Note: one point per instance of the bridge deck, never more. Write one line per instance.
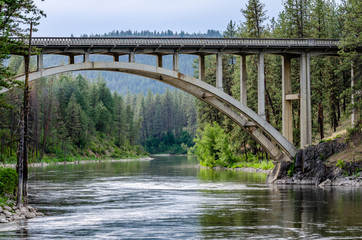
(199, 46)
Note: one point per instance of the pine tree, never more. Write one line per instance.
(255, 16)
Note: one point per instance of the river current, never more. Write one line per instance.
(169, 198)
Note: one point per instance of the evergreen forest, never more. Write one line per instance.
(96, 115)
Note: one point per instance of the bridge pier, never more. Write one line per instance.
(131, 57)
(202, 68)
(287, 111)
(86, 57)
(116, 57)
(261, 86)
(176, 63)
(243, 88)
(354, 115)
(219, 71)
(159, 61)
(305, 102)
(71, 59)
(40, 62)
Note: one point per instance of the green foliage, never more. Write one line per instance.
(353, 131)
(340, 164)
(264, 165)
(8, 181)
(15, 17)
(212, 147)
(291, 169)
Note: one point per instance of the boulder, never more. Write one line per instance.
(8, 208)
(7, 213)
(3, 220)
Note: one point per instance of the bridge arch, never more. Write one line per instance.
(277, 146)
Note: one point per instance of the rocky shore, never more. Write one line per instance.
(9, 214)
(312, 168)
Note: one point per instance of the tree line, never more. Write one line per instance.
(330, 76)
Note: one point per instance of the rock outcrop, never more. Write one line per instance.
(9, 214)
(309, 168)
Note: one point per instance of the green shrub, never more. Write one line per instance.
(291, 169)
(353, 131)
(340, 164)
(8, 181)
(213, 148)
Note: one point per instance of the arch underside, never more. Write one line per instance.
(278, 147)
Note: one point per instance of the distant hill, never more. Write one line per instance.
(124, 83)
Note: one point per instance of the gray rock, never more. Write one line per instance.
(8, 208)
(327, 182)
(23, 209)
(299, 160)
(31, 209)
(7, 213)
(3, 220)
(39, 214)
(17, 217)
(30, 215)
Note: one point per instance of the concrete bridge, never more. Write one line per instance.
(278, 145)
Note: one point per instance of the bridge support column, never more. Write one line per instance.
(159, 61)
(71, 59)
(354, 115)
(176, 64)
(116, 57)
(219, 71)
(131, 57)
(243, 89)
(287, 104)
(305, 102)
(40, 62)
(86, 57)
(261, 86)
(202, 67)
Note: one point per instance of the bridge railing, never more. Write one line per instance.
(69, 41)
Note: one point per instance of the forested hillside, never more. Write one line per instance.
(124, 83)
(330, 76)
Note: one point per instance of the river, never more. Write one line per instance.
(168, 198)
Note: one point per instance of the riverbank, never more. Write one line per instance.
(243, 169)
(44, 164)
(10, 213)
(330, 163)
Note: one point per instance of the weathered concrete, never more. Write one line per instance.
(202, 68)
(159, 61)
(305, 102)
(116, 57)
(287, 110)
(40, 62)
(215, 97)
(219, 71)
(131, 57)
(176, 62)
(71, 59)
(243, 84)
(86, 57)
(261, 86)
(355, 114)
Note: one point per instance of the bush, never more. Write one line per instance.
(8, 181)
(213, 147)
(340, 164)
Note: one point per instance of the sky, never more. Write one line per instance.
(66, 17)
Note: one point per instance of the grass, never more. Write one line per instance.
(264, 165)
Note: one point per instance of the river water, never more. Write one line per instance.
(168, 198)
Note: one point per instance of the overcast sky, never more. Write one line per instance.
(66, 17)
